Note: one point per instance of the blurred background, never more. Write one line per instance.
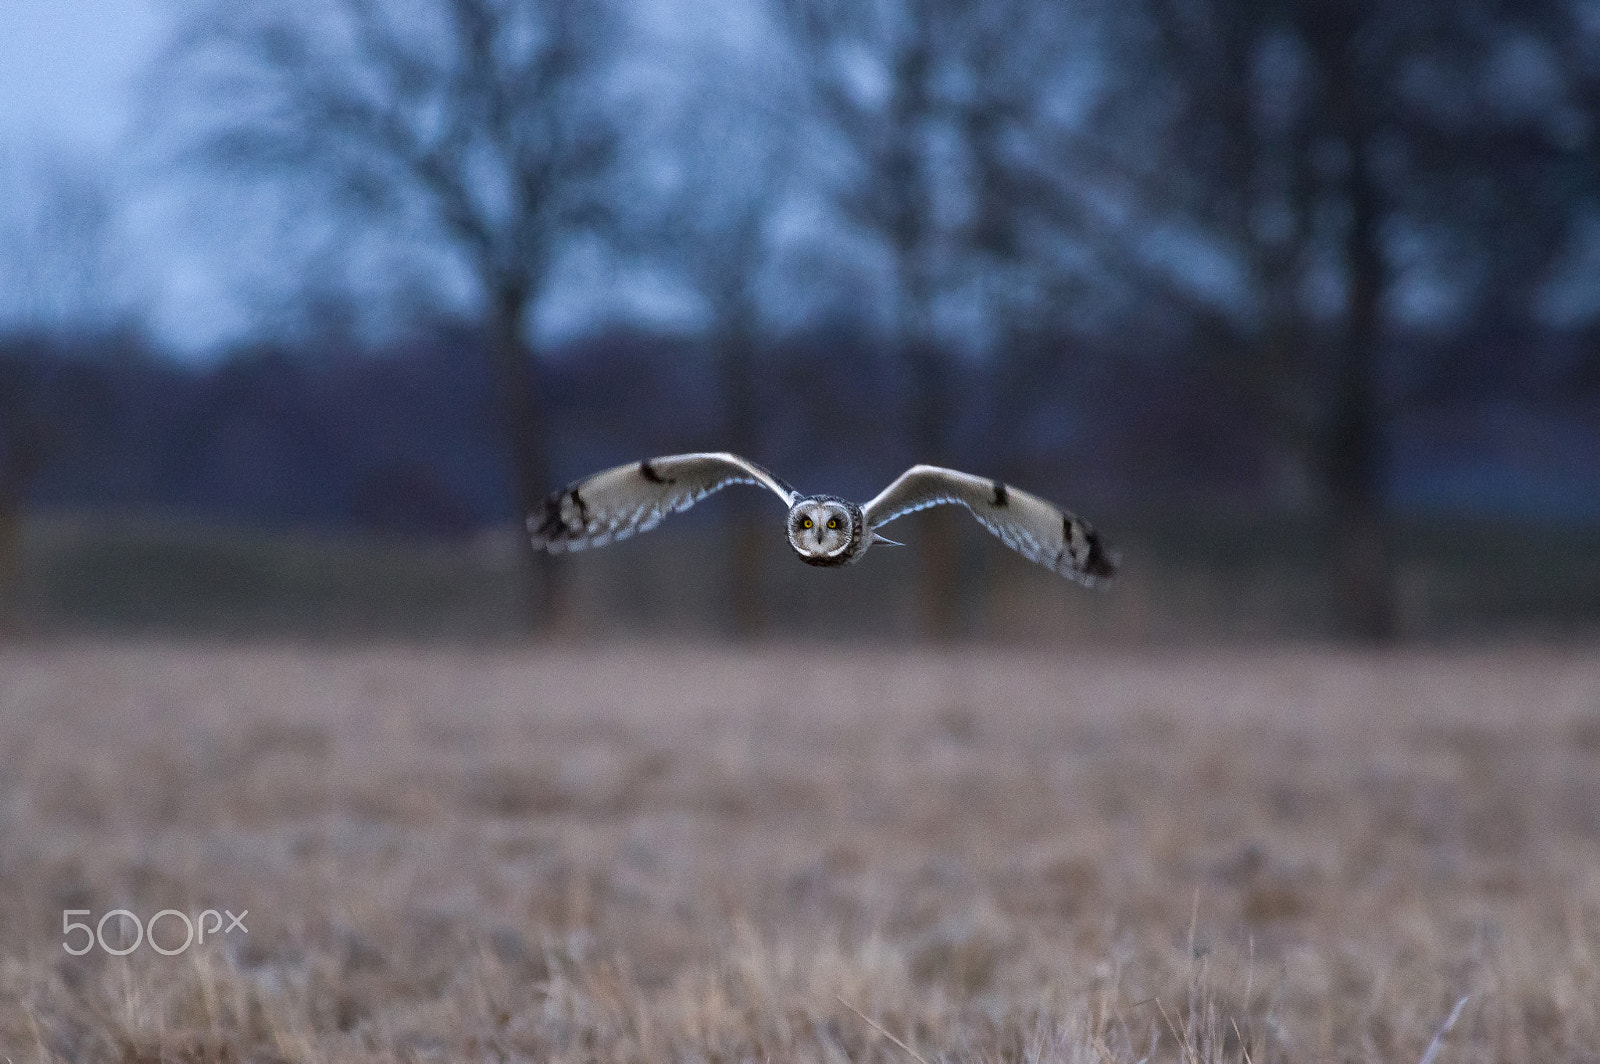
(302, 304)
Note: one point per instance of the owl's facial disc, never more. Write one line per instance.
(819, 529)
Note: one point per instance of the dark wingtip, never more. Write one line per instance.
(1100, 562)
(545, 525)
(1093, 562)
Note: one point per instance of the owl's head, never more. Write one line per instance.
(823, 529)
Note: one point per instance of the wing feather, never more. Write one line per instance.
(1035, 529)
(616, 503)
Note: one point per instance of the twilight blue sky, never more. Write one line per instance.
(67, 69)
(70, 72)
(70, 77)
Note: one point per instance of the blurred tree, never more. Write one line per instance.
(23, 435)
(475, 126)
(55, 406)
(59, 286)
(733, 156)
(907, 90)
(1025, 66)
(1555, 65)
(1256, 167)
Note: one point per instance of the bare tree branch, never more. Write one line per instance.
(474, 122)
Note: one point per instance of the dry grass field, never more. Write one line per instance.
(634, 854)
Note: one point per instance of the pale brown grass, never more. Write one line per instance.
(629, 854)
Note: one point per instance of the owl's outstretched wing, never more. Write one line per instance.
(1026, 523)
(635, 497)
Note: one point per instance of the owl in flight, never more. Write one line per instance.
(823, 529)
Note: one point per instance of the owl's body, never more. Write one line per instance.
(823, 530)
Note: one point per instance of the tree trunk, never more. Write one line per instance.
(910, 232)
(10, 560)
(939, 539)
(20, 458)
(522, 423)
(1354, 470)
(736, 367)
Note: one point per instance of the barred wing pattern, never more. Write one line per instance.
(1027, 524)
(631, 498)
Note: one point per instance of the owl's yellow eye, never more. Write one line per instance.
(833, 522)
(805, 522)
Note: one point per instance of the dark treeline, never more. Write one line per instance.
(1327, 258)
(396, 441)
